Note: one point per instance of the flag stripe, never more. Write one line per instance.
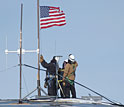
(51, 16)
(56, 14)
(43, 27)
(52, 22)
(53, 12)
(53, 8)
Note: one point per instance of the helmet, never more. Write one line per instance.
(71, 57)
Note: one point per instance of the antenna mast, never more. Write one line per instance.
(23, 51)
(20, 100)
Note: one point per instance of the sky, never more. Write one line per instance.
(94, 34)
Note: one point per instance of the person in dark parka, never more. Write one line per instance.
(50, 81)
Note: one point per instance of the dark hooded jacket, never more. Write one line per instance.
(51, 67)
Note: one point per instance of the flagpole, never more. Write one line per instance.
(38, 76)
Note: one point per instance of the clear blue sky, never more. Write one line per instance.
(94, 33)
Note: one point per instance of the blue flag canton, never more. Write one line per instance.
(44, 11)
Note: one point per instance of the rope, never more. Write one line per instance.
(61, 88)
(9, 68)
(112, 102)
(32, 67)
(25, 84)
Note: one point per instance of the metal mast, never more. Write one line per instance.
(23, 51)
(20, 100)
(38, 76)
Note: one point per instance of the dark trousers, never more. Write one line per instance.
(67, 88)
(73, 91)
(52, 91)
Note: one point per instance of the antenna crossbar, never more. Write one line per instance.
(23, 51)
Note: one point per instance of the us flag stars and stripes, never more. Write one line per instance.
(51, 16)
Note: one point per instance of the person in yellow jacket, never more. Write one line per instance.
(69, 77)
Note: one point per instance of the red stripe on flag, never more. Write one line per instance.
(52, 25)
(52, 19)
(52, 22)
(53, 8)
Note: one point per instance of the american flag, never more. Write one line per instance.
(51, 16)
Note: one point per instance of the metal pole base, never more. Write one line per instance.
(39, 89)
(38, 84)
(20, 101)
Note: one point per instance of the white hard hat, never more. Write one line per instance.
(71, 58)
